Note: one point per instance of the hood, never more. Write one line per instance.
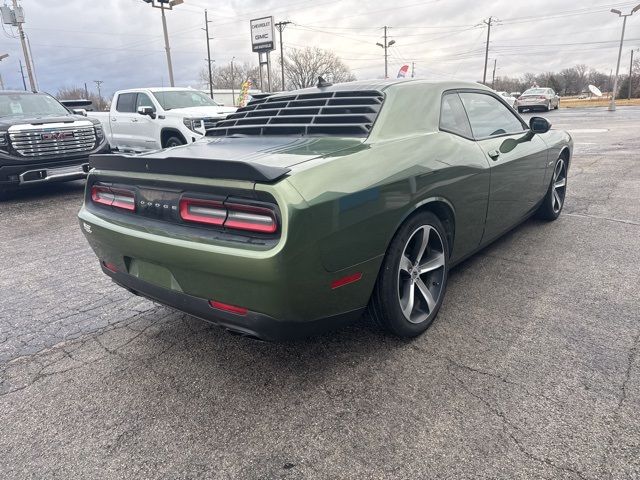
(201, 112)
(10, 120)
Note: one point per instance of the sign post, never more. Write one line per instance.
(262, 42)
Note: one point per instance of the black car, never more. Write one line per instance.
(43, 141)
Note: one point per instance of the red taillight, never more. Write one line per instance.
(230, 215)
(114, 197)
(202, 211)
(228, 308)
(252, 218)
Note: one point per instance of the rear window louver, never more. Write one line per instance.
(343, 113)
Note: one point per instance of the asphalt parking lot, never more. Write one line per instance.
(530, 371)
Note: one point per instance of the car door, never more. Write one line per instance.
(518, 160)
(121, 119)
(147, 130)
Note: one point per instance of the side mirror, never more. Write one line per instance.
(539, 125)
(80, 111)
(146, 111)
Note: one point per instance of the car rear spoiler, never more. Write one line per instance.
(191, 167)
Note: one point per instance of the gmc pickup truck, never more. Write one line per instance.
(43, 141)
(154, 118)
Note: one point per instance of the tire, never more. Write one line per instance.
(547, 107)
(557, 105)
(400, 284)
(173, 141)
(553, 201)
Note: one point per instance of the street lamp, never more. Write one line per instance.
(385, 46)
(161, 5)
(612, 105)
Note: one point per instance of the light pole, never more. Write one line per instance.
(631, 74)
(280, 26)
(612, 105)
(386, 46)
(161, 5)
(206, 30)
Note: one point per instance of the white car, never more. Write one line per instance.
(153, 118)
(510, 99)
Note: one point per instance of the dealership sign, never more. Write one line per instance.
(262, 34)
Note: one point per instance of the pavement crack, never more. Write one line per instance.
(507, 426)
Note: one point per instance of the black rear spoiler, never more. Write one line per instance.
(190, 167)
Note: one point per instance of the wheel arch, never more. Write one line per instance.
(441, 208)
(565, 153)
(169, 132)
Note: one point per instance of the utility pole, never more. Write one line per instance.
(206, 29)
(233, 80)
(280, 26)
(631, 74)
(24, 83)
(98, 83)
(17, 21)
(86, 91)
(413, 68)
(33, 64)
(161, 5)
(493, 78)
(488, 23)
(612, 105)
(386, 46)
(2, 57)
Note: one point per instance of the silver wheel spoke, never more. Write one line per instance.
(433, 263)
(426, 231)
(405, 264)
(556, 200)
(560, 183)
(426, 294)
(406, 303)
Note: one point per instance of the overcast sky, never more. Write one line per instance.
(121, 42)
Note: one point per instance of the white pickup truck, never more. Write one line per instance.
(146, 119)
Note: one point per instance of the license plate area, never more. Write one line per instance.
(152, 273)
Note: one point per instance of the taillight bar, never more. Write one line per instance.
(114, 197)
(229, 215)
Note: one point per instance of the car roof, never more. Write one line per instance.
(14, 92)
(157, 89)
(381, 85)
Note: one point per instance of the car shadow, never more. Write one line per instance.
(43, 191)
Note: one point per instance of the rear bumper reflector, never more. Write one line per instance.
(341, 282)
(228, 308)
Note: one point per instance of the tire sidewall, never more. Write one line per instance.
(388, 281)
(173, 142)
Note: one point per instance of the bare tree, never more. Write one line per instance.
(225, 78)
(303, 66)
(77, 93)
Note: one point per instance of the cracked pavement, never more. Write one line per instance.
(532, 369)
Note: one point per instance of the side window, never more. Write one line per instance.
(453, 118)
(488, 116)
(144, 101)
(126, 103)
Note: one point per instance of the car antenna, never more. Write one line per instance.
(323, 83)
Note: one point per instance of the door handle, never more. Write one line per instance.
(134, 119)
(494, 154)
(114, 119)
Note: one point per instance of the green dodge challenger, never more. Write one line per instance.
(305, 208)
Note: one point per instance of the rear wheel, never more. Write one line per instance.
(547, 107)
(554, 199)
(413, 278)
(173, 142)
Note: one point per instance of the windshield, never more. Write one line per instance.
(536, 91)
(183, 99)
(29, 105)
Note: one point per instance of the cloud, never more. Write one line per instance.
(121, 41)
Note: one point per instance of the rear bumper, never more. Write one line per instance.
(252, 324)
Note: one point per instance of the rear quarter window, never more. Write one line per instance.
(126, 103)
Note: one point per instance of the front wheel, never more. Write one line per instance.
(413, 277)
(173, 142)
(554, 199)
